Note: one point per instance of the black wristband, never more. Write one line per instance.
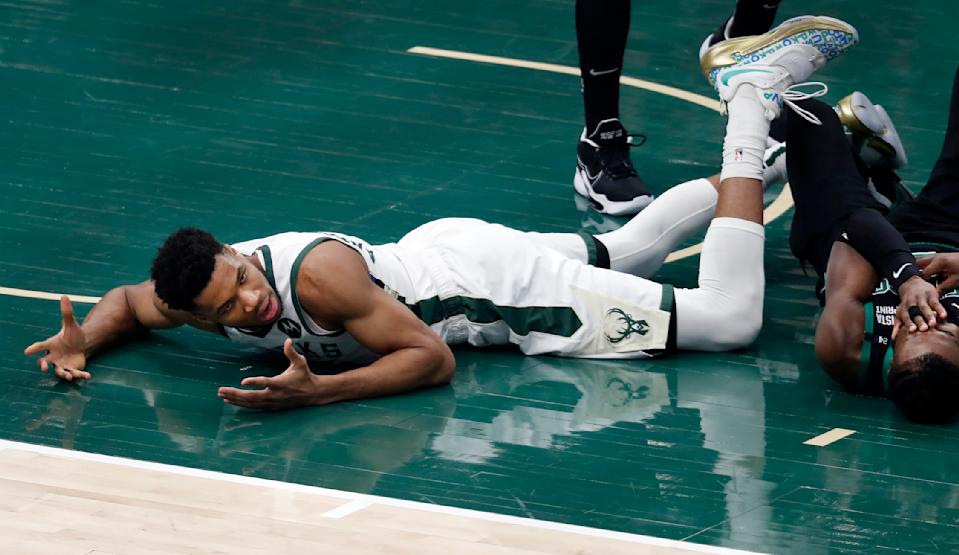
(881, 245)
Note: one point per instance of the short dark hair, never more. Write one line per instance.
(183, 266)
(925, 388)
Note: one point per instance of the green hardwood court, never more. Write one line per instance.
(125, 119)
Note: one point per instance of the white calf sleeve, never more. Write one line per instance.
(641, 246)
(725, 311)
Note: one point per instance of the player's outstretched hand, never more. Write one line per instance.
(65, 351)
(295, 387)
(917, 292)
(943, 265)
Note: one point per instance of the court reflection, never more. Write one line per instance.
(151, 416)
(553, 398)
(678, 449)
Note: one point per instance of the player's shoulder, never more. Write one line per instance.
(277, 240)
(331, 269)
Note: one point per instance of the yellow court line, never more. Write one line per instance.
(681, 94)
(831, 436)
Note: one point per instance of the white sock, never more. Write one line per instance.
(641, 246)
(746, 133)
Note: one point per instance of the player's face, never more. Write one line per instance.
(942, 340)
(238, 295)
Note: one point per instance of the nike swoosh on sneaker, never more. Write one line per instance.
(735, 72)
(595, 73)
(897, 273)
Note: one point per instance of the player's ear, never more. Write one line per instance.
(202, 319)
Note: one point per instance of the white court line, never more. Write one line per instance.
(831, 436)
(371, 499)
(347, 509)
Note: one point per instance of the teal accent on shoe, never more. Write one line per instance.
(735, 72)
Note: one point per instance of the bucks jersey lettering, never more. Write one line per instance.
(281, 256)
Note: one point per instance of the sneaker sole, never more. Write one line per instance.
(601, 202)
(830, 36)
(849, 110)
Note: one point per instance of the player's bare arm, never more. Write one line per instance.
(850, 281)
(123, 312)
(336, 291)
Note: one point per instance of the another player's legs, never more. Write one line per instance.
(604, 172)
(827, 183)
(945, 174)
(935, 207)
(731, 278)
(643, 244)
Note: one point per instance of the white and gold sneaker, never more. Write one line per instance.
(829, 36)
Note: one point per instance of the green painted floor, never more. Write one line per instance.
(124, 119)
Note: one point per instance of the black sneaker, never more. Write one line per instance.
(604, 173)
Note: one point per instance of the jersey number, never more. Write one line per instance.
(329, 350)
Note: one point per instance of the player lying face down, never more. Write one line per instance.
(389, 311)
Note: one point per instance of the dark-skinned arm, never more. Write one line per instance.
(335, 289)
(850, 281)
(885, 249)
(123, 313)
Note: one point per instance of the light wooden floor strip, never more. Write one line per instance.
(831, 436)
(60, 501)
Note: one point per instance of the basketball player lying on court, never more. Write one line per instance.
(390, 310)
(854, 217)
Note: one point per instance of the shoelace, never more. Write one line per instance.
(619, 166)
(794, 94)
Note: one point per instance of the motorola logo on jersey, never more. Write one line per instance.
(290, 328)
(623, 325)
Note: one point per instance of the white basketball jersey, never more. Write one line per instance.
(281, 256)
(477, 283)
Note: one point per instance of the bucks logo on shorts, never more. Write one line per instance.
(620, 325)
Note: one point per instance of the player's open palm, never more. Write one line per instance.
(65, 351)
(943, 265)
(295, 387)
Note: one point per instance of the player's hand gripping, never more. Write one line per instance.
(944, 265)
(66, 350)
(295, 387)
(922, 297)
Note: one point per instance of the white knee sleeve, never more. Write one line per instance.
(725, 312)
